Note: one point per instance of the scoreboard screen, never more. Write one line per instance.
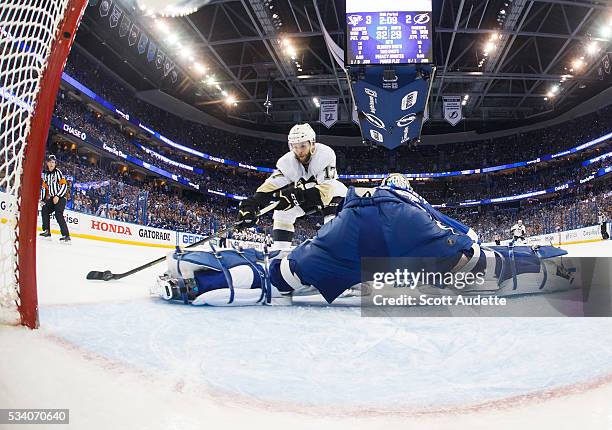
(389, 32)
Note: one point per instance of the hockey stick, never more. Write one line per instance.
(108, 275)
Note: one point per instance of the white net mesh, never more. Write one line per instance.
(28, 29)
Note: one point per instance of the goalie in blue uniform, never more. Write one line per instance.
(389, 221)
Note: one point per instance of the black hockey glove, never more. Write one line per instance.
(307, 199)
(247, 212)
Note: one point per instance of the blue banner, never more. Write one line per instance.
(391, 112)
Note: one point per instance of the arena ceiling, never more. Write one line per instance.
(519, 61)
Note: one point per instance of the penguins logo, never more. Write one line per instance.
(374, 120)
(355, 19)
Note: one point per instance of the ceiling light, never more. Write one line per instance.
(224, 93)
(199, 68)
(606, 30)
(162, 26)
(230, 100)
(592, 48)
(211, 80)
(577, 64)
(554, 89)
(172, 39)
(186, 53)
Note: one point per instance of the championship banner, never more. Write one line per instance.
(115, 15)
(105, 8)
(452, 110)
(134, 33)
(328, 112)
(124, 27)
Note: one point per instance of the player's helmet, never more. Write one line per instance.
(520, 221)
(302, 133)
(397, 180)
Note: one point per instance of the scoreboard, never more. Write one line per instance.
(389, 32)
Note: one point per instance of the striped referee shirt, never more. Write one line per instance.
(53, 184)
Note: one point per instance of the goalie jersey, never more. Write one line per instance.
(380, 222)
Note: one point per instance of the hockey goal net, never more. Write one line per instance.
(35, 38)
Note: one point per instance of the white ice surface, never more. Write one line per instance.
(119, 359)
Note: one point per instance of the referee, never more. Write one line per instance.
(601, 219)
(54, 188)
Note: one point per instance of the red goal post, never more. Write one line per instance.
(35, 39)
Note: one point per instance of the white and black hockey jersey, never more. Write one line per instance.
(321, 170)
(518, 230)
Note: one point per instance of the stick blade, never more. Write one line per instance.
(100, 276)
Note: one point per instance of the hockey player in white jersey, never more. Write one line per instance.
(305, 179)
(518, 231)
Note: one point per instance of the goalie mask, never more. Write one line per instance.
(397, 180)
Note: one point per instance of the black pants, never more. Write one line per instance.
(58, 208)
(604, 232)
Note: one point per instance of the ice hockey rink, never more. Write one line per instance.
(119, 359)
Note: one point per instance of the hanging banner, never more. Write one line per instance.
(151, 52)
(124, 27)
(115, 15)
(142, 43)
(168, 67)
(605, 62)
(328, 112)
(452, 110)
(355, 114)
(159, 59)
(105, 8)
(134, 32)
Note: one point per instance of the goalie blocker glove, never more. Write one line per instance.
(306, 198)
(247, 212)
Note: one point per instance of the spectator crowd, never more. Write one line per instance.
(118, 191)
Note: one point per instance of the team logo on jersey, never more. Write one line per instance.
(377, 136)
(354, 19)
(374, 120)
(421, 18)
(406, 120)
